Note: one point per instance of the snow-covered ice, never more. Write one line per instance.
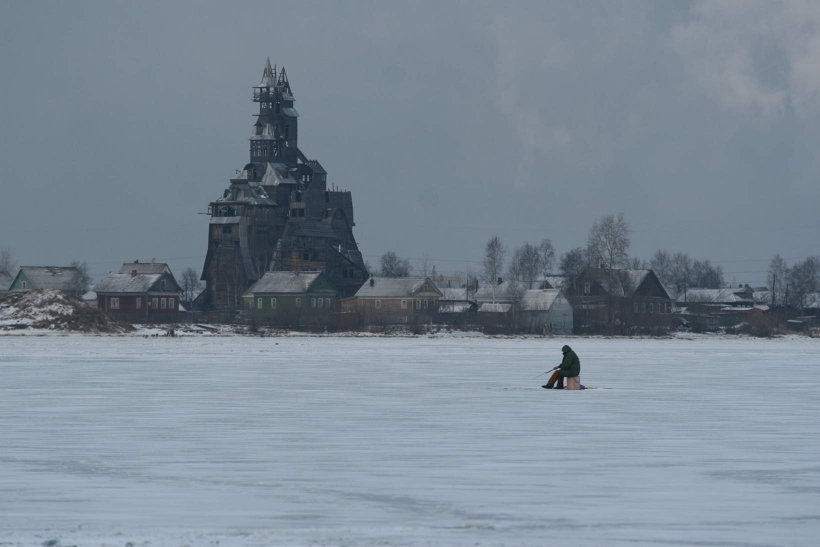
(407, 441)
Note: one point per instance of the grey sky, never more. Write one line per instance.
(449, 122)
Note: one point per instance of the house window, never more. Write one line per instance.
(651, 307)
(635, 307)
(273, 303)
(24, 284)
(312, 302)
(258, 303)
(418, 304)
(425, 304)
(404, 304)
(155, 303)
(138, 303)
(115, 303)
(643, 307)
(587, 288)
(298, 302)
(378, 304)
(164, 303)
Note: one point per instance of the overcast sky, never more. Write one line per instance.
(449, 121)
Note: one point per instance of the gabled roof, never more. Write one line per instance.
(138, 283)
(556, 281)
(396, 287)
(623, 283)
(539, 299)
(144, 267)
(284, 282)
(62, 278)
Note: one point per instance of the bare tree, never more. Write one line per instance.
(526, 264)
(608, 242)
(493, 263)
(547, 252)
(573, 262)
(83, 279)
(803, 279)
(681, 270)
(190, 284)
(707, 276)
(393, 266)
(778, 271)
(7, 262)
(635, 263)
(661, 264)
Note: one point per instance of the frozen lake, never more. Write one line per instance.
(407, 441)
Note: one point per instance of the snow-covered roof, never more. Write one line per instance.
(556, 281)
(395, 287)
(145, 268)
(812, 301)
(724, 295)
(128, 283)
(494, 307)
(539, 299)
(454, 294)
(284, 282)
(62, 278)
(454, 307)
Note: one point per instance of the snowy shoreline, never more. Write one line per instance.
(229, 331)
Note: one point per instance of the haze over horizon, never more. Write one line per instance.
(449, 123)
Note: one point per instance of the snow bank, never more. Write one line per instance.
(52, 310)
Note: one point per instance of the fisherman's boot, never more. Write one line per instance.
(556, 377)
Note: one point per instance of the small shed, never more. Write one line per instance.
(545, 311)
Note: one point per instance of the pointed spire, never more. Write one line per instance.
(283, 80)
(268, 75)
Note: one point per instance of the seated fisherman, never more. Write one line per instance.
(570, 368)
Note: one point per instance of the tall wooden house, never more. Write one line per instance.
(139, 292)
(618, 301)
(278, 213)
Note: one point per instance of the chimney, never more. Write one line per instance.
(372, 281)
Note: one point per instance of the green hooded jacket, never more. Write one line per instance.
(571, 365)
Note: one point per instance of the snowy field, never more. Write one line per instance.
(407, 441)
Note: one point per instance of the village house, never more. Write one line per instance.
(139, 292)
(618, 301)
(395, 300)
(287, 298)
(67, 279)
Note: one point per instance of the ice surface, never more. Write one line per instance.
(407, 441)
